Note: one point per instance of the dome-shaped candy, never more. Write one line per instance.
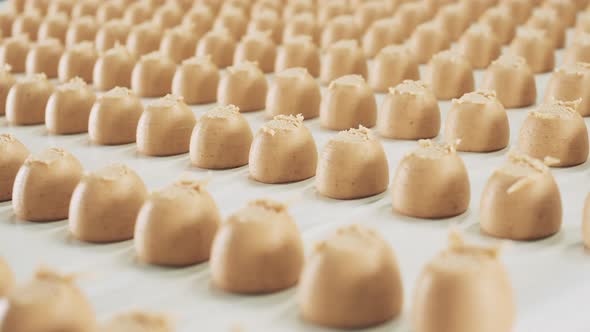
(450, 294)
(243, 85)
(165, 127)
(49, 302)
(555, 132)
(293, 91)
(367, 172)
(221, 139)
(259, 239)
(12, 156)
(44, 185)
(114, 117)
(105, 205)
(439, 168)
(512, 79)
(283, 151)
(351, 280)
(450, 74)
(409, 111)
(196, 80)
(68, 108)
(520, 201)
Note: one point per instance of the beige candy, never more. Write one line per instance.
(6, 278)
(81, 30)
(105, 205)
(200, 17)
(26, 100)
(27, 24)
(196, 80)
(138, 321)
(60, 6)
(348, 103)
(283, 151)
(7, 16)
(13, 52)
(36, 5)
(114, 117)
(453, 19)
(438, 168)
(220, 45)
(331, 9)
(144, 38)
(294, 8)
(409, 111)
(570, 83)
(368, 12)
(267, 20)
(176, 225)
(579, 49)
(17, 6)
(43, 57)
(234, 20)
(68, 108)
(6, 19)
(44, 185)
(298, 51)
(152, 75)
(293, 91)
(302, 24)
(261, 5)
(257, 47)
(410, 15)
(138, 12)
(519, 9)
(393, 64)
(49, 302)
(583, 22)
(6, 82)
(477, 122)
(427, 40)
(85, 8)
(479, 45)
(502, 24)
(113, 68)
(549, 21)
(165, 127)
(475, 8)
(340, 28)
(555, 131)
(55, 26)
(110, 34)
(451, 292)
(450, 74)
(109, 10)
(351, 280)
(221, 139)
(12, 156)
(513, 80)
(168, 15)
(366, 172)
(179, 43)
(77, 61)
(521, 201)
(344, 57)
(566, 10)
(243, 85)
(380, 34)
(257, 250)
